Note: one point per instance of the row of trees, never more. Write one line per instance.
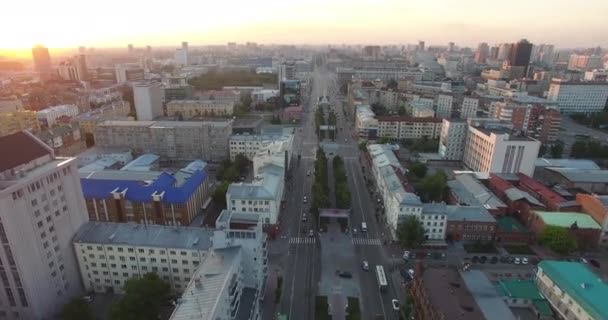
(319, 120)
(216, 81)
(228, 172)
(558, 239)
(320, 187)
(555, 151)
(341, 189)
(589, 149)
(594, 120)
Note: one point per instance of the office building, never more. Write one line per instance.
(398, 127)
(394, 191)
(250, 145)
(573, 291)
(67, 71)
(596, 75)
(290, 92)
(468, 109)
(42, 62)
(127, 73)
(580, 62)
(41, 207)
(444, 106)
(181, 56)
(499, 150)
(504, 51)
(452, 139)
(421, 45)
(148, 100)
(537, 121)
(52, 115)
(481, 55)
(139, 193)
(13, 122)
(520, 53)
(469, 224)
(171, 140)
(188, 109)
(177, 92)
(578, 96)
(419, 109)
(434, 220)
(287, 71)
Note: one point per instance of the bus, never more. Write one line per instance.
(381, 276)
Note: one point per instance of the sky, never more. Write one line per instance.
(115, 23)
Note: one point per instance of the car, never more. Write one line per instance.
(87, 299)
(429, 255)
(410, 272)
(443, 256)
(345, 274)
(308, 173)
(511, 260)
(517, 261)
(311, 233)
(524, 261)
(365, 265)
(475, 259)
(406, 255)
(483, 259)
(304, 217)
(504, 259)
(395, 304)
(305, 200)
(583, 260)
(413, 255)
(594, 263)
(494, 260)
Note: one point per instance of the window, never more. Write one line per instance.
(174, 261)
(119, 249)
(132, 258)
(184, 261)
(140, 250)
(130, 250)
(153, 260)
(175, 270)
(183, 253)
(187, 271)
(142, 259)
(172, 252)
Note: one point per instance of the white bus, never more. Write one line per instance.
(363, 227)
(382, 284)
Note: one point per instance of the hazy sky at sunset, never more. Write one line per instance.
(71, 23)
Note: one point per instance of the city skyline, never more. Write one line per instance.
(314, 22)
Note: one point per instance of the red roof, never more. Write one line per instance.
(499, 183)
(20, 148)
(406, 119)
(538, 188)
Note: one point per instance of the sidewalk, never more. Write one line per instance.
(269, 307)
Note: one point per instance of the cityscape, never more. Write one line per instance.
(430, 169)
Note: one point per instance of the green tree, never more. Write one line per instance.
(402, 111)
(142, 300)
(77, 309)
(362, 146)
(219, 194)
(384, 140)
(410, 232)
(433, 188)
(392, 84)
(558, 239)
(418, 169)
(557, 150)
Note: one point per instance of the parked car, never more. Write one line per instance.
(494, 260)
(594, 263)
(304, 217)
(395, 304)
(406, 255)
(475, 259)
(517, 261)
(311, 233)
(365, 265)
(305, 200)
(483, 259)
(345, 274)
(504, 259)
(524, 261)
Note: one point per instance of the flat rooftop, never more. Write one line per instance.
(487, 297)
(448, 293)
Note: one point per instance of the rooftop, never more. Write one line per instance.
(568, 219)
(582, 175)
(469, 191)
(487, 298)
(407, 119)
(20, 148)
(506, 133)
(566, 163)
(510, 224)
(524, 289)
(448, 294)
(540, 189)
(580, 283)
(264, 189)
(142, 235)
(466, 213)
(511, 191)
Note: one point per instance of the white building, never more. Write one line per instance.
(396, 194)
(366, 124)
(469, 108)
(250, 145)
(181, 56)
(128, 73)
(421, 110)
(41, 207)
(397, 127)
(444, 106)
(434, 220)
(48, 117)
(148, 99)
(499, 150)
(578, 97)
(452, 139)
(198, 108)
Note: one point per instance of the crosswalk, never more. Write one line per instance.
(366, 241)
(299, 240)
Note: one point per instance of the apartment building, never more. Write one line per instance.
(434, 220)
(48, 117)
(109, 254)
(466, 223)
(41, 208)
(396, 193)
(115, 110)
(421, 110)
(444, 106)
(65, 139)
(147, 97)
(539, 122)
(129, 73)
(172, 140)
(15, 121)
(250, 145)
(469, 107)
(578, 97)
(366, 124)
(398, 127)
(145, 196)
(496, 149)
(452, 139)
(189, 109)
(573, 290)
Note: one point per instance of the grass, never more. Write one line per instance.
(352, 311)
(321, 308)
(518, 249)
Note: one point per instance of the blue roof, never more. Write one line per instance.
(139, 191)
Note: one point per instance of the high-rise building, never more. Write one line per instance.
(451, 46)
(481, 55)
(468, 109)
(74, 69)
(578, 96)
(129, 73)
(494, 52)
(444, 106)
(148, 100)
(41, 208)
(580, 62)
(130, 48)
(287, 71)
(504, 50)
(520, 54)
(81, 67)
(421, 45)
(42, 62)
(537, 121)
(452, 138)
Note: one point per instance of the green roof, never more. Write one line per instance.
(581, 284)
(567, 219)
(543, 307)
(520, 289)
(509, 224)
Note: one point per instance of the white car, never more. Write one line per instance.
(524, 261)
(365, 265)
(308, 173)
(517, 261)
(410, 273)
(305, 200)
(304, 217)
(311, 233)
(395, 304)
(406, 255)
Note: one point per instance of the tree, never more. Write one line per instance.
(410, 232)
(362, 146)
(557, 150)
(433, 188)
(418, 169)
(142, 300)
(402, 111)
(384, 140)
(77, 309)
(392, 84)
(558, 239)
(219, 194)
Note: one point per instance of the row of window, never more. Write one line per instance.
(142, 250)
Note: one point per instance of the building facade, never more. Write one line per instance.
(13, 122)
(398, 127)
(452, 139)
(444, 106)
(468, 109)
(199, 108)
(48, 117)
(578, 97)
(41, 208)
(148, 100)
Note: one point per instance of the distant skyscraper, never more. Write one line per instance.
(42, 62)
(504, 49)
(130, 48)
(493, 52)
(81, 67)
(520, 54)
(421, 45)
(482, 53)
(82, 49)
(451, 46)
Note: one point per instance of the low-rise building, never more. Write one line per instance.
(466, 190)
(511, 231)
(519, 203)
(189, 109)
(590, 180)
(573, 291)
(65, 139)
(434, 220)
(551, 199)
(366, 124)
(469, 224)
(597, 207)
(398, 127)
(48, 117)
(519, 293)
(15, 121)
(586, 230)
(250, 145)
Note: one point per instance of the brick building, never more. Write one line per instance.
(597, 207)
(509, 230)
(582, 226)
(470, 224)
(548, 197)
(466, 190)
(519, 202)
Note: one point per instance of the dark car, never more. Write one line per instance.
(483, 259)
(594, 263)
(345, 274)
(494, 260)
(504, 259)
(475, 259)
